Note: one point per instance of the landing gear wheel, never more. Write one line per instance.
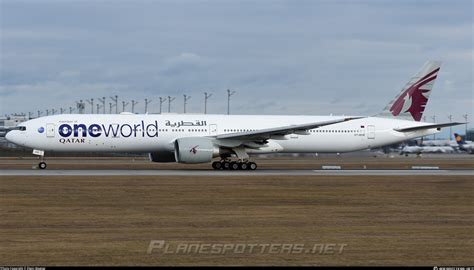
(42, 165)
(252, 166)
(234, 165)
(244, 166)
(217, 165)
(226, 165)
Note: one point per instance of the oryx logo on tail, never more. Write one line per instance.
(414, 99)
(410, 103)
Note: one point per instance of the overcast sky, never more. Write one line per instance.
(281, 57)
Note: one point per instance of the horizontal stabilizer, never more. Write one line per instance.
(417, 128)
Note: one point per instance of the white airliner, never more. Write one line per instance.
(418, 150)
(467, 146)
(198, 138)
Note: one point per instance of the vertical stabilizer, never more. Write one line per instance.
(410, 103)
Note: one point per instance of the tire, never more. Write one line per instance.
(42, 165)
(243, 166)
(234, 166)
(252, 166)
(216, 165)
(225, 165)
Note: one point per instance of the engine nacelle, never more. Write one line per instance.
(195, 150)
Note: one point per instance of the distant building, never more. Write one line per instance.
(10, 121)
(470, 135)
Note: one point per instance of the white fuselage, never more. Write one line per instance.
(155, 132)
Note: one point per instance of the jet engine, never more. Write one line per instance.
(162, 156)
(195, 150)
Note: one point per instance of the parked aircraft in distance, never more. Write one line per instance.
(467, 146)
(418, 150)
(451, 143)
(198, 138)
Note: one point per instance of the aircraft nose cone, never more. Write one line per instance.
(8, 136)
(12, 137)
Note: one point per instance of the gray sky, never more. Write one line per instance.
(282, 57)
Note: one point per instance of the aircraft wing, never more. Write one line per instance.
(417, 128)
(265, 134)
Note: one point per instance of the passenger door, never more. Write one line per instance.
(50, 130)
(371, 132)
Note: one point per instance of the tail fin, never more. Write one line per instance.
(458, 139)
(410, 103)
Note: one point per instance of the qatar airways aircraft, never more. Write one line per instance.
(199, 138)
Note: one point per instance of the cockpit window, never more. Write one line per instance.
(20, 128)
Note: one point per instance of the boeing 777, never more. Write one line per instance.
(198, 138)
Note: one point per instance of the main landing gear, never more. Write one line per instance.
(234, 165)
(241, 163)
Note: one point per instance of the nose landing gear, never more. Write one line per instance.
(42, 165)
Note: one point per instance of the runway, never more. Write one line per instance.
(262, 172)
